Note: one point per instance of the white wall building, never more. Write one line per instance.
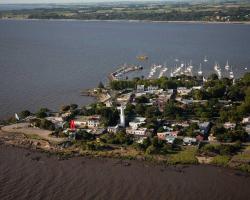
(140, 88)
(137, 132)
(183, 91)
(137, 122)
(246, 120)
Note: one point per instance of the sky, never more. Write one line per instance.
(59, 1)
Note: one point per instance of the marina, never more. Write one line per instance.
(179, 68)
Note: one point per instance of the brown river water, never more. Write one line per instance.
(25, 174)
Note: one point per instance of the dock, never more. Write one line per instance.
(121, 71)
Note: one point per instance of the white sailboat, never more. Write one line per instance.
(162, 72)
(227, 66)
(171, 73)
(216, 66)
(205, 59)
(231, 73)
(200, 71)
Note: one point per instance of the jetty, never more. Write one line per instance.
(122, 71)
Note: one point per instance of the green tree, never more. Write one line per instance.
(100, 85)
(24, 114)
(65, 108)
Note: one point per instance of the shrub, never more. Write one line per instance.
(24, 114)
(221, 160)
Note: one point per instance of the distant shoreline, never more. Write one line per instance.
(126, 20)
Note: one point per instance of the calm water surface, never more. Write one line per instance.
(48, 63)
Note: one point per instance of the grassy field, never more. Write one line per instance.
(221, 160)
(185, 156)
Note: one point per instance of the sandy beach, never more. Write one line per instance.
(25, 174)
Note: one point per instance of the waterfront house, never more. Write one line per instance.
(57, 121)
(87, 121)
(66, 114)
(94, 121)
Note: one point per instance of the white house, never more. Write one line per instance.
(229, 125)
(204, 127)
(247, 128)
(197, 87)
(189, 140)
(94, 122)
(170, 139)
(152, 89)
(90, 121)
(137, 122)
(164, 135)
(183, 91)
(246, 120)
(113, 129)
(57, 121)
(137, 132)
(140, 88)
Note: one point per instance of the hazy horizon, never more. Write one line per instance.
(73, 1)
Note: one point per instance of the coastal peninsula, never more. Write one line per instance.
(186, 118)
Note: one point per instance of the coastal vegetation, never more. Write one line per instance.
(160, 11)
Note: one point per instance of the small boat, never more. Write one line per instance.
(142, 57)
(227, 66)
(205, 59)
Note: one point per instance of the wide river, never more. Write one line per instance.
(47, 63)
